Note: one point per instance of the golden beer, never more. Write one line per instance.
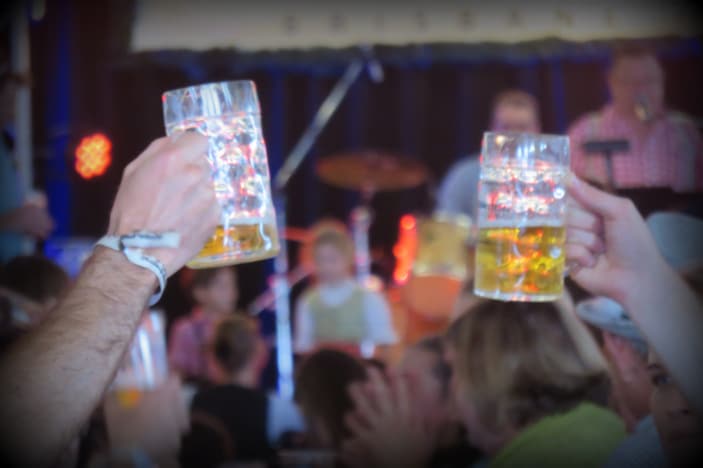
(520, 264)
(238, 244)
(128, 397)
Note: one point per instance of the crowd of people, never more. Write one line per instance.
(608, 375)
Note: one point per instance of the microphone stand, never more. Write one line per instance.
(281, 287)
(607, 148)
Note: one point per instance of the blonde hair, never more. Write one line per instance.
(519, 362)
(327, 232)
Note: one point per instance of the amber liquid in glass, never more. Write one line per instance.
(241, 243)
(520, 264)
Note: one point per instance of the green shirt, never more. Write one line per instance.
(584, 436)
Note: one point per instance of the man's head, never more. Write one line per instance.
(636, 82)
(215, 289)
(515, 111)
(237, 346)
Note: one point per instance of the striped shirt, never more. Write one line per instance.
(669, 154)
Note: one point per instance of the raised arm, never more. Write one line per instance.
(54, 377)
(615, 256)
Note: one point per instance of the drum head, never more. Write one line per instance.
(432, 296)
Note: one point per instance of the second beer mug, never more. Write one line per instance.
(228, 114)
(522, 206)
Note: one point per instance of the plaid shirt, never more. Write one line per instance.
(669, 155)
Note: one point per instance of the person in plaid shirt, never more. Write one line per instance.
(665, 147)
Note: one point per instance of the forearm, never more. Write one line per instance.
(55, 376)
(670, 315)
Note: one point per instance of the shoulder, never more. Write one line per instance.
(182, 326)
(458, 174)
(463, 165)
(307, 297)
(374, 300)
(584, 123)
(680, 119)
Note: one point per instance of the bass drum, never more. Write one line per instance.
(434, 260)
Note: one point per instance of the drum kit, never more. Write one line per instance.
(433, 254)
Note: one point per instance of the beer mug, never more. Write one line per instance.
(522, 207)
(145, 365)
(228, 114)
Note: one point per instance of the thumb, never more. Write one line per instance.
(593, 199)
(590, 279)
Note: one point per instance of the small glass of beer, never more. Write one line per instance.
(228, 114)
(522, 205)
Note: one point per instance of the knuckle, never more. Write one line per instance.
(158, 143)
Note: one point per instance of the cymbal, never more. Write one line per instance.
(371, 170)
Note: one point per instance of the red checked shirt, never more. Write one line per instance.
(669, 155)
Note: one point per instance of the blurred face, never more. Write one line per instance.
(636, 83)
(679, 428)
(420, 366)
(513, 118)
(632, 386)
(331, 264)
(221, 294)
(479, 436)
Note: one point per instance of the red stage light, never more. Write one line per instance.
(93, 155)
(407, 222)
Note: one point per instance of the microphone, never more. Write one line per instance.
(372, 64)
(643, 110)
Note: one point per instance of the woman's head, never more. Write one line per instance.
(322, 385)
(515, 363)
(215, 289)
(425, 365)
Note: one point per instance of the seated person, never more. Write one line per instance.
(215, 294)
(337, 311)
(528, 380)
(234, 420)
(527, 383)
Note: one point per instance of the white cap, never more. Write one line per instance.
(609, 316)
